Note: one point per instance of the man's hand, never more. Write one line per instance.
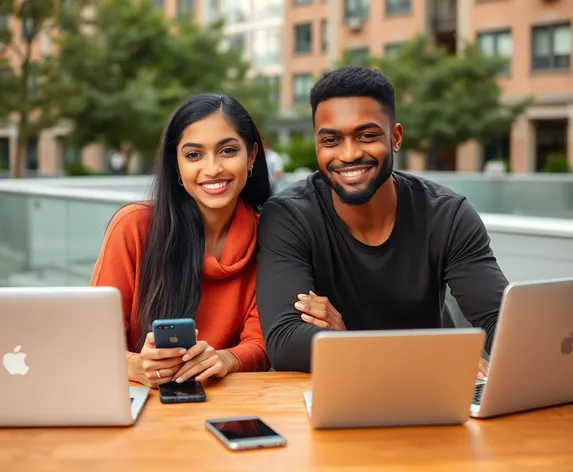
(483, 369)
(319, 312)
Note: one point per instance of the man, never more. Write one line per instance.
(274, 164)
(360, 246)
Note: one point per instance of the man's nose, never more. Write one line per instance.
(352, 151)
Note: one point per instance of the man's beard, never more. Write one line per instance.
(360, 197)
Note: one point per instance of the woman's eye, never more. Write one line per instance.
(192, 155)
(368, 136)
(229, 150)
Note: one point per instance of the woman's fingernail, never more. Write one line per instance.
(185, 358)
(299, 305)
(179, 380)
(182, 351)
(302, 296)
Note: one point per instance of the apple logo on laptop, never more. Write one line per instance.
(15, 362)
(567, 345)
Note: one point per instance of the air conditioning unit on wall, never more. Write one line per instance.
(354, 23)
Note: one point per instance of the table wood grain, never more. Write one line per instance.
(173, 438)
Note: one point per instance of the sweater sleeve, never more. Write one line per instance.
(284, 271)
(475, 279)
(117, 260)
(251, 351)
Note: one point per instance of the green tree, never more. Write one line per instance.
(445, 100)
(126, 67)
(26, 96)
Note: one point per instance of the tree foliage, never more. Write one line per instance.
(27, 97)
(126, 67)
(444, 100)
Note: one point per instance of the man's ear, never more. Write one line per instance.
(396, 137)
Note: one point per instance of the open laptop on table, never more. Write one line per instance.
(531, 363)
(62, 354)
(393, 378)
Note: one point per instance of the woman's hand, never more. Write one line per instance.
(319, 312)
(203, 361)
(153, 366)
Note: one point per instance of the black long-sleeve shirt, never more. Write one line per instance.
(438, 238)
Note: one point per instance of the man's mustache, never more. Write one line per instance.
(358, 162)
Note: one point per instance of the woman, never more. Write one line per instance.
(190, 252)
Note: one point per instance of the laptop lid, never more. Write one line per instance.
(62, 357)
(531, 364)
(393, 378)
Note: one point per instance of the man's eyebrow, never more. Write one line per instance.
(328, 131)
(366, 126)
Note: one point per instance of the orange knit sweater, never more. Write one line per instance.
(227, 316)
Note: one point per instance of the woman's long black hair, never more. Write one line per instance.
(172, 266)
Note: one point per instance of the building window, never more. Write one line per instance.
(323, 35)
(303, 38)
(301, 85)
(268, 9)
(357, 57)
(32, 153)
(496, 43)
(235, 11)
(32, 80)
(394, 7)
(273, 83)
(356, 9)
(4, 153)
(551, 46)
(4, 22)
(301, 2)
(266, 50)
(28, 29)
(185, 7)
(212, 10)
(391, 49)
(236, 42)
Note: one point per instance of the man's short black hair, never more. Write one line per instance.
(353, 81)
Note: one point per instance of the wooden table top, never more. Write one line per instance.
(173, 438)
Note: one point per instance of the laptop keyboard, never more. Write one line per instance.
(478, 392)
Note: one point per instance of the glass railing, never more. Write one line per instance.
(51, 230)
(51, 240)
(539, 195)
(542, 195)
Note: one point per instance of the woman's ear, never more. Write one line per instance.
(253, 156)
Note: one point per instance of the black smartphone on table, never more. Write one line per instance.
(244, 432)
(168, 334)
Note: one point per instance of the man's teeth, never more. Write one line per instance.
(353, 173)
(215, 186)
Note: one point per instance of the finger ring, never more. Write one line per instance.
(158, 374)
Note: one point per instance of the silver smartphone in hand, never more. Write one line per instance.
(244, 432)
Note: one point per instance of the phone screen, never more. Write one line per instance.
(190, 388)
(244, 429)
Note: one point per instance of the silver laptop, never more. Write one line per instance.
(531, 363)
(393, 378)
(63, 362)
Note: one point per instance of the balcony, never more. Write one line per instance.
(444, 16)
(51, 230)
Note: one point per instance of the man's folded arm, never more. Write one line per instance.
(284, 271)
